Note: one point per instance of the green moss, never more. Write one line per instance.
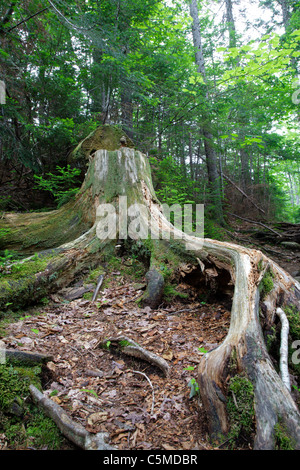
(240, 408)
(104, 137)
(43, 432)
(171, 293)
(17, 283)
(38, 231)
(281, 438)
(21, 422)
(22, 269)
(293, 317)
(12, 385)
(267, 284)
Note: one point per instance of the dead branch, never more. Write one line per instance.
(256, 223)
(99, 283)
(243, 193)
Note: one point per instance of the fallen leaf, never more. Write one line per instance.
(56, 400)
(168, 355)
(97, 417)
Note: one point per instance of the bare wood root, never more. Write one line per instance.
(99, 284)
(24, 357)
(75, 432)
(284, 348)
(131, 348)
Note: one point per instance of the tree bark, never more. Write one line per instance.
(230, 23)
(211, 158)
(126, 172)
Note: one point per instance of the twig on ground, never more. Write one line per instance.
(146, 377)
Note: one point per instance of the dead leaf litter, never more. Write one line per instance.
(107, 391)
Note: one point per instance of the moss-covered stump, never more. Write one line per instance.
(117, 204)
(104, 137)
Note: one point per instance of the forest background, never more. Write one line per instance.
(209, 90)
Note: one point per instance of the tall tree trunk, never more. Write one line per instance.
(127, 111)
(211, 158)
(230, 23)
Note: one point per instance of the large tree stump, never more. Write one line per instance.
(87, 229)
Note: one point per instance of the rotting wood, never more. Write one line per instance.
(99, 284)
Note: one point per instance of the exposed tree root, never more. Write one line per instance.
(131, 348)
(284, 369)
(69, 428)
(23, 357)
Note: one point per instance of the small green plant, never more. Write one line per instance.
(123, 343)
(193, 384)
(63, 185)
(282, 440)
(7, 257)
(89, 391)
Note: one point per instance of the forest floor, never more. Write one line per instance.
(128, 398)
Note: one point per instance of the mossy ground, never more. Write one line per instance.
(17, 282)
(293, 317)
(22, 424)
